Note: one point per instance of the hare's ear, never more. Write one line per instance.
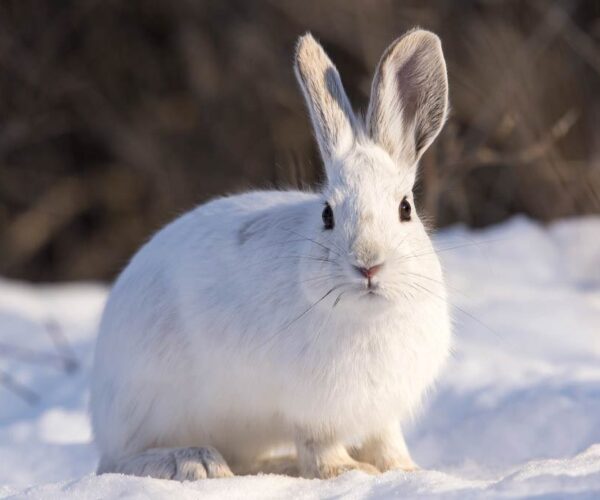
(409, 97)
(330, 110)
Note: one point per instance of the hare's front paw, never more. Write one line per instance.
(404, 463)
(328, 471)
(387, 451)
(327, 459)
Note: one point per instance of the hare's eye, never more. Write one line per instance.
(327, 216)
(405, 210)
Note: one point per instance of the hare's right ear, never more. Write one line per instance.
(330, 110)
(409, 97)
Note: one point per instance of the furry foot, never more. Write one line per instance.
(180, 464)
(386, 451)
(385, 462)
(328, 471)
(404, 463)
(288, 466)
(327, 459)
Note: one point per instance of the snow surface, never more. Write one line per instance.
(516, 412)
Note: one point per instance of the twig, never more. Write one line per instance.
(579, 40)
(535, 151)
(24, 392)
(30, 231)
(32, 356)
(547, 30)
(62, 345)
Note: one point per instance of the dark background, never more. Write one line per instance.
(116, 116)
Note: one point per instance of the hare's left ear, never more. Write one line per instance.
(332, 116)
(409, 97)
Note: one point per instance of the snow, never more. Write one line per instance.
(516, 412)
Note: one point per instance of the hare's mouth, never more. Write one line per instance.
(368, 288)
(372, 288)
(372, 293)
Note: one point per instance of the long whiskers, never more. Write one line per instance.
(316, 242)
(434, 250)
(419, 286)
(429, 278)
(301, 315)
(338, 298)
(321, 277)
(292, 257)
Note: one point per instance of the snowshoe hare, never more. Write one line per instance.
(280, 318)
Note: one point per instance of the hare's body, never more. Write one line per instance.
(177, 375)
(246, 325)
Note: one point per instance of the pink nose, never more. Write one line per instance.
(369, 272)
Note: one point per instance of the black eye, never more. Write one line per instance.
(327, 217)
(405, 210)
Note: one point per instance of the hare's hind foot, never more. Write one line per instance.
(179, 464)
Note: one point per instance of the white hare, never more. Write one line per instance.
(279, 318)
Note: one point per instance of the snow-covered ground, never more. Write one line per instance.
(516, 412)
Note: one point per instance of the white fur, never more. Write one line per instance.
(244, 326)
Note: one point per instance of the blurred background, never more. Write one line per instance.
(116, 116)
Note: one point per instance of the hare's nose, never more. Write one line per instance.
(369, 272)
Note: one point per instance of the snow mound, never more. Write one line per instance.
(516, 412)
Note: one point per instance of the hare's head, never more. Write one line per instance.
(367, 221)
